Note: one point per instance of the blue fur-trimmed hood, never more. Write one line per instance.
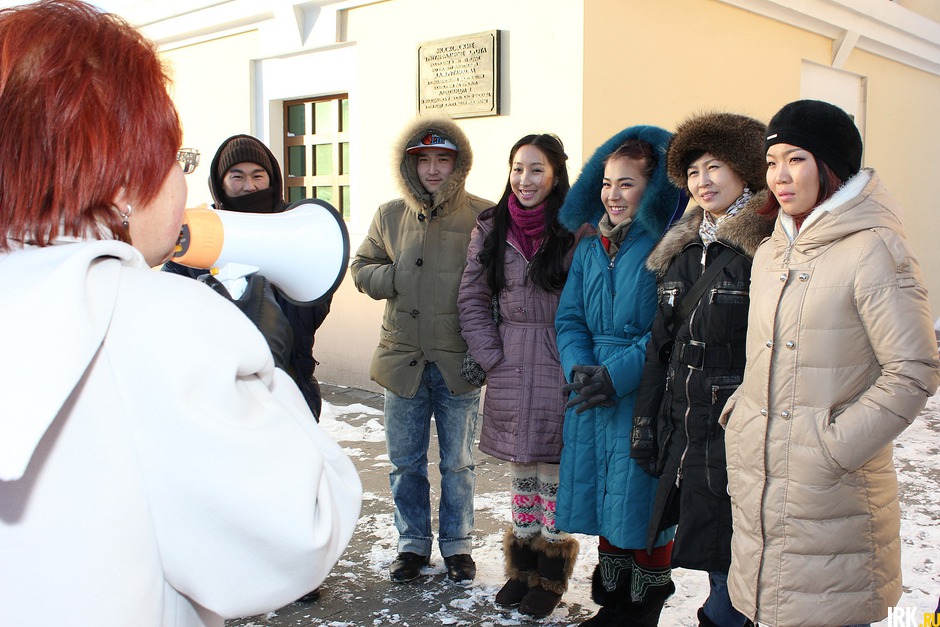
(662, 202)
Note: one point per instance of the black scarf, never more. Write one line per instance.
(261, 201)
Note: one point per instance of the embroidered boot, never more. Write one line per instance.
(521, 564)
(649, 589)
(610, 588)
(556, 562)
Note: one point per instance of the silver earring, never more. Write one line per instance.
(125, 216)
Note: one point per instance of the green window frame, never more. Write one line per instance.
(316, 150)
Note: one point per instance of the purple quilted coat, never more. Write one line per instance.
(524, 408)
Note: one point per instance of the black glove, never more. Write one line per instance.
(593, 387)
(643, 444)
(259, 304)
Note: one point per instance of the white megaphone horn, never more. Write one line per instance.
(303, 250)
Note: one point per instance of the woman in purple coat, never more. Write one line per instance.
(520, 253)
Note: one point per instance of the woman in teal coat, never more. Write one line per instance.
(603, 325)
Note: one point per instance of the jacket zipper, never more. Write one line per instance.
(688, 408)
(671, 293)
(688, 377)
(718, 290)
(708, 475)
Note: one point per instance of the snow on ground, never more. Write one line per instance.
(916, 455)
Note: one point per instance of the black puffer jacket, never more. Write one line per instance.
(692, 367)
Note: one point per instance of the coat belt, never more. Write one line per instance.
(528, 325)
(698, 356)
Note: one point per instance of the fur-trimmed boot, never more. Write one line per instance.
(556, 563)
(521, 565)
(649, 589)
(630, 595)
(610, 588)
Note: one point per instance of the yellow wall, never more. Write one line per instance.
(658, 62)
(903, 145)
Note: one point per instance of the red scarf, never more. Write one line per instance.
(526, 226)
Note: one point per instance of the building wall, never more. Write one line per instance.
(693, 55)
(583, 70)
(541, 92)
(212, 91)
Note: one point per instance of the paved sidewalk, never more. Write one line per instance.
(358, 592)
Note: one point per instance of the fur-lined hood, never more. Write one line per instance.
(743, 232)
(661, 200)
(409, 185)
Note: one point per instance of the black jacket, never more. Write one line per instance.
(692, 367)
(304, 320)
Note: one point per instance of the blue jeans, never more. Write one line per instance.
(408, 435)
(718, 606)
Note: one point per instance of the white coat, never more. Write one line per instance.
(155, 468)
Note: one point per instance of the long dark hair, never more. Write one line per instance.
(829, 184)
(546, 268)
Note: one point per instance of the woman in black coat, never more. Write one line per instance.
(695, 358)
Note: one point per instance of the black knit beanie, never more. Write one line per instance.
(243, 149)
(823, 129)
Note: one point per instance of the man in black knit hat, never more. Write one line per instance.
(245, 176)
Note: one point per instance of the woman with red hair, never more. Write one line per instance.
(136, 453)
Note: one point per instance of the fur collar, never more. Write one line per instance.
(661, 201)
(849, 190)
(406, 170)
(744, 233)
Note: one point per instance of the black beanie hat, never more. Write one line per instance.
(242, 149)
(822, 129)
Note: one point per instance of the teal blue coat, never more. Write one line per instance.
(604, 318)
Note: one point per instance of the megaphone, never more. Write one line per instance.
(303, 250)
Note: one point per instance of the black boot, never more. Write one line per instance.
(610, 588)
(649, 590)
(556, 562)
(521, 564)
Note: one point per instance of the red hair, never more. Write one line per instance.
(84, 114)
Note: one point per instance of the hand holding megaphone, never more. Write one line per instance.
(303, 250)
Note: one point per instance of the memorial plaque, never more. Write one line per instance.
(459, 76)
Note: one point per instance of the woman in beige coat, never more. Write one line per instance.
(841, 357)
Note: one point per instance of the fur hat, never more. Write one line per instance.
(240, 149)
(735, 139)
(822, 129)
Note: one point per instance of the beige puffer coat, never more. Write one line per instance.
(841, 357)
(413, 258)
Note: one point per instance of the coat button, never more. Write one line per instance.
(763, 411)
(419, 262)
(783, 277)
(785, 415)
(414, 312)
(770, 343)
(804, 277)
(421, 217)
(413, 362)
(791, 345)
